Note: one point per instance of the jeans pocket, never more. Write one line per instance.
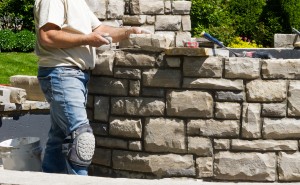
(70, 72)
(45, 83)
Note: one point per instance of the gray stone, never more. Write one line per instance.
(17, 95)
(242, 68)
(134, 60)
(285, 40)
(170, 35)
(251, 125)
(99, 128)
(134, 19)
(201, 52)
(104, 63)
(274, 110)
(289, 166)
(138, 106)
(154, 8)
(286, 128)
(200, 146)
(135, 145)
(163, 165)
(150, 19)
(226, 110)
(150, 42)
(164, 135)
(4, 95)
(208, 67)
(168, 6)
(128, 73)
(182, 38)
(168, 22)
(245, 166)
(161, 78)
(102, 157)
(111, 143)
(181, 7)
(264, 145)
(213, 128)
(294, 99)
(101, 108)
(134, 87)
(229, 96)
(212, 84)
(153, 92)
(186, 23)
(98, 8)
(281, 69)
(221, 144)
(123, 127)
(115, 9)
(204, 167)
(108, 86)
(266, 91)
(173, 61)
(189, 104)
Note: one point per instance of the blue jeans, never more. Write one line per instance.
(65, 88)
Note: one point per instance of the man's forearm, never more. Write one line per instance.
(117, 34)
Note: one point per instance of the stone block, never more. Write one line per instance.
(153, 92)
(168, 22)
(8, 107)
(195, 104)
(242, 68)
(200, 146)
(285, 128)
(289, 166)
(264, 145)
(201, 52)
(266, 91)
(111, 143)
(213, 84)
(98, 8)
(285, 40)
(150, 19)
(115, 9)
(186, 23)
(127, 73)
(168, 6)
(204, 167)
(182, 38)
(281, 69)
(4, 95)
(101, 108)
(104, 63)
(222, 144)
(206, 67)
(164, 135)
(245, 166)
(134, 60)
(102, 157)
(135, 145)
(90, 101)
(99, 129)
(163, 165)
(37, 105)
(123, 127)
(16, 95)
(294, 99)
(274, 110)
(134, 19)
(108, 86)
(251, 121)
(181, 7)
(31, 86)
(134, 87)
(226, 110)
(213, 128)
(161, 78)
(138, 106)
(173, 61)
(229, 96)
(144, 7)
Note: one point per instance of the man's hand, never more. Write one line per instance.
(97, 39)
(138, 30)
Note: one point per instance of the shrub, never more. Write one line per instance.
(25, 41)
(240, 42)
(7, 40)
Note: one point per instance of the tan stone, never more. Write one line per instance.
(274, 110)
(289, 166)
(201, 52)
(227, 110)
(134, 60)
(181, 7)
(204, 167)
(108, 86)
(115, 9)
(281, 69)
(264, 145)
(221, 144)
(111, 143)
(242, 68)
(168, 22)
(215, 84)
(123, 127)
(285, 128)
(104, 63)
(161, 78)
(102, 157)
(134, 87)
(294, 99)
(200, 146)
(251, 125)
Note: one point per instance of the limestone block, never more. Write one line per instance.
(4, 95)
(135, 145)
(113, 23)
(229, 96)
(169, 34)
(150, 19)
(245, 166)
(274, 110)
(281, 69)
(221, 144)
(37, 105)
(153, 92)
(226, 110)
(127, 73)
(99, 129)
(207, 67)
(168, 22)
(108, 86)
(134, 60)
(134, 87)
(111, 143)
(98, 8)
(102, 157)
(251, 125)
(204, 167)
(115, 9)
(16, 95)
(162, 78)
(189, 104)
(202, 52)
(173, 61)
(104, 63)
(8, 107)
(144, 7)
(182, 37)
(181, 7)
(200, 146)
(213, 128)
(168, 6)
(138, 106)
(150, 42)
(286, 128)
(186, 23)
(164, 135)
(264, 145)
(242, 68)
(266, 91)
(163, 165)
(135, 7)
(294, 99)
(289, 166)
(149, 28)
(213, 84)
(134, 19)
(285, 40)
(128, 128)
(31, 86)
(101, 108)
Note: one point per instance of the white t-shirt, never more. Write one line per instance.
(72, 16)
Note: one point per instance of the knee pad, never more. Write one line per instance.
(79, 147)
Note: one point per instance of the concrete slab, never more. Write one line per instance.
(38, 178)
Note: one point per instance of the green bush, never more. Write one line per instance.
(25, 41)
(238, 42)
(7, 40)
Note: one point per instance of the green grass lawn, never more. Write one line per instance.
(17, 64)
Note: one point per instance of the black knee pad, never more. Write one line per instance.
(79, 147)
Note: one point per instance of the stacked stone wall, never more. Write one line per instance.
(185, 114)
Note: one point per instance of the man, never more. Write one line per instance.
(67, 32)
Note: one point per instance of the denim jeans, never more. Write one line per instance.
(65, 88)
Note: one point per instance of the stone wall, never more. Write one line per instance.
(183, 112)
